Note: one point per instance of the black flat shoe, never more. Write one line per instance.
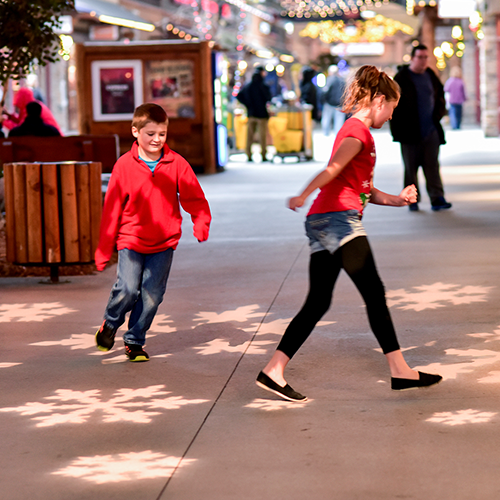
(424, 380)
(285, 392)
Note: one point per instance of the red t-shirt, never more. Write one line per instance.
(350, 190)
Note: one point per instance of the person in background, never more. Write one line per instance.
(308, 91)
(454, 89)
(33, 124)
(338, 240)
(332, 102)
(21, 99)
(254, 96)
(416, 124)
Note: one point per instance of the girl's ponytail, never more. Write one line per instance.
(368, 82)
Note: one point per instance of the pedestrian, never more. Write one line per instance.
(416, 125)
(141, 215)
(332, 102)
(454, 88)
(33, 124)
(254, 96)
(308, 91)
(21, 99)
(338, 240)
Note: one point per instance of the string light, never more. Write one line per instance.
(411, 4)
(475, 24)
(315, 9)
(242, 64)
(179, 32)
(66, 44)
(371, 30)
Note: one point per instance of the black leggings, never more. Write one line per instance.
(357, 260)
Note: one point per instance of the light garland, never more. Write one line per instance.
(307, 9)
(475, 25)
(180, 33)
(450, 48)
(411, 4)
(371, 30)
(242, 5)
(241, 63)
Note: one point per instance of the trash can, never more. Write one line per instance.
(53, 212)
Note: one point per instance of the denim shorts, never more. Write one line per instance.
(332, 230)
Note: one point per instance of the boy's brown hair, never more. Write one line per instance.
(147, 113)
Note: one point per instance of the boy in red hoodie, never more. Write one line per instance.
(142, 217)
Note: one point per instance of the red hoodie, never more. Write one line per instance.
(142, 209)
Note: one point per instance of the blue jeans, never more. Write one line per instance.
(139, 288)
(331, 230)
(455, 116)
(332, 114)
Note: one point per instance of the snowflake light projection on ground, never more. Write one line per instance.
(473, 359)
(436, 295)
(461, 417)
(277, 326)
(161, 324)
(126, 405)
(487, 337)
(218, 346)
(273, 405)
(32, 312)
(492, 378)
(101, 469)
(76, 341)
(239, 315)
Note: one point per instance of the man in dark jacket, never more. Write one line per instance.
(33, 124)
(308, 91)
(416, 125)
(255, 96)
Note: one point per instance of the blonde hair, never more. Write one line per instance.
(368, 83)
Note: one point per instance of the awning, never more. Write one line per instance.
(112, 13)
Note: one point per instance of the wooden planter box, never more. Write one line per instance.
(53, 212)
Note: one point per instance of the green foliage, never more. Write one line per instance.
(27, 35)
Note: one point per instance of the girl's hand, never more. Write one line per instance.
(295, 202)
(409, 195)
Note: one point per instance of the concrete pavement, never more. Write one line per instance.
(191, 424)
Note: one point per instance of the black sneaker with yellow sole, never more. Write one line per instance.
(135, 352)
(105, 337)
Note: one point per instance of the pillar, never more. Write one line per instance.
(488, 78)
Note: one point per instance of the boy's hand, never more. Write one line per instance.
(100, 260)
(201, 232)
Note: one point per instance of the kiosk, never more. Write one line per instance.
(116, 77)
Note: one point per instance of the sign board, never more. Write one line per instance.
(456, 8)
(358, 49)
(116, 89)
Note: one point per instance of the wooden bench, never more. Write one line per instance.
(74, 148)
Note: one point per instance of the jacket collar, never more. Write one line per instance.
(166, 158)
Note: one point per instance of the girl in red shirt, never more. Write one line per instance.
(337, 237)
